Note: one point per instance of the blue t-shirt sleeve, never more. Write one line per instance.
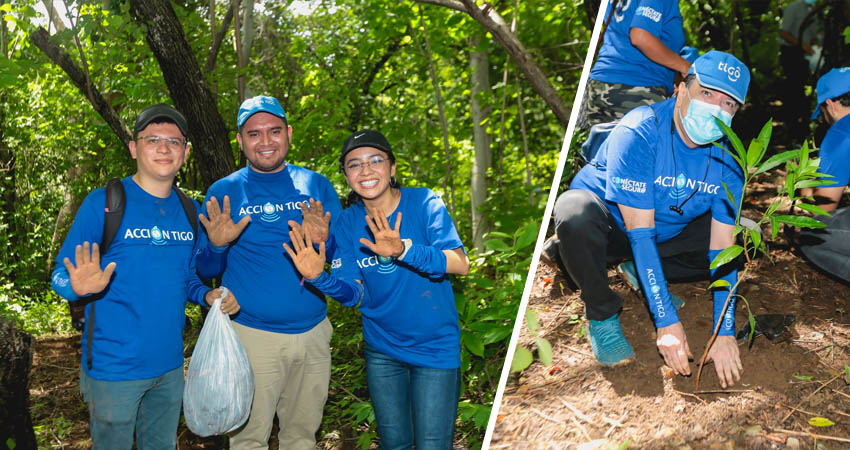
(631, 165)
(722, 209)
(650, 16)
(87, 227)
(441, 231)
(835, 157)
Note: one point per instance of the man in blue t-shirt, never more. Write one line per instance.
(829, 248)
(655, 192)
(638, 61)
(283, 323)
(132, 371)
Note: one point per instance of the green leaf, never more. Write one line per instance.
(497, 245)
(531, 321)
(10, 443)
(755, 235)
(730, 197)
(473, 343)
(803, 377)
(814, 209)
(544, 351)
(736, 144)
(812, 183)
(527, 235)
(820, 422)
(719, 284)
(764, 138)
(726, 255)
(774, 227)
(522, 359)
(777, 159)
(754, 152)
(799, 221)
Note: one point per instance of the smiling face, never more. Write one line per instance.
(368, 171)
(156, 159)
(265, 140)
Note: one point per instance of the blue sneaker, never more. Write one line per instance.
(629, 273)
(608, 342)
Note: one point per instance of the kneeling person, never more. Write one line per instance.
(654, 192)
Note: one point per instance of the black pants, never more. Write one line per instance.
(590, 240)
(829, 248)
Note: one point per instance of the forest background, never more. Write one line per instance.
(474, 110)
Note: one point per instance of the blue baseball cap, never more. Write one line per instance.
(260, 103)
(834, 83)
(723, 72)
(689, 54)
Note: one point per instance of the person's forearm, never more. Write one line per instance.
(657, 52)
(347, 292)
(648, 267)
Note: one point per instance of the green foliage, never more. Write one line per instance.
(52, 433)
(522, 356)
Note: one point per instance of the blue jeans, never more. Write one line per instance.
(150, 406)
(412, 404)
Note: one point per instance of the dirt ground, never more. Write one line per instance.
(577, 403)
(62, 420)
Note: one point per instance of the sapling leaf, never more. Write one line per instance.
(764, 138)
(754, 152)
(544, 351)
(804, 154)
(803, 377)
(777, 160)
(730, 197)
(820, 422)
(719, 284)
(812, 183)
(726, 255)
(774, 227)
(736, 144)
(755, 235)
(800, 221)
(522, 359)
(531, 321)
(814, 209)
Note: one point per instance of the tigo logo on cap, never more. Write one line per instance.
(260, 103)
(723, 72)
(733, 72)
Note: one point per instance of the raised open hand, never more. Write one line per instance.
(87, 277)
(220, 227)
(316, 220)
(387, 240)
(309, 263)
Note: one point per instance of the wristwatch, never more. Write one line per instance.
(406, 243)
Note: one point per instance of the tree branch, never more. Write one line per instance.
(488, 18)
(41, 39)
(212, 56)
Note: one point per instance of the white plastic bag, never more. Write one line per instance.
(220, 384)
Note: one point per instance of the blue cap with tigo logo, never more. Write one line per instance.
(723, 72)
(260, 103)
(834, 83)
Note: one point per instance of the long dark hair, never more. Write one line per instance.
(353, 197)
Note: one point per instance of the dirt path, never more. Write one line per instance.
(576, 401)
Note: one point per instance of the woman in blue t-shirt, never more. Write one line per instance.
(397, 271)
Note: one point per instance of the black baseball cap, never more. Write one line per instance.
(366, 138)
(160, 111)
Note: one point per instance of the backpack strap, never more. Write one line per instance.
(189, 209)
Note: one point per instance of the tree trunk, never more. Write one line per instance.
(247, 32)
(479, 77)
(488, 18)
(182, 75)
(70, 204)
(41, 39)
(15, 363)
(432, 72)
(53, 16)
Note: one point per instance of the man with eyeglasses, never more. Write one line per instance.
(283, 322)
(132, 359)
(654, 193)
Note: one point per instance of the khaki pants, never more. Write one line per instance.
(291, 376)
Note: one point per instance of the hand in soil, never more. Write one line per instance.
(727, 361)
(673, 346)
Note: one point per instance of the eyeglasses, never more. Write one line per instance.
(357, 167)
(171, 143)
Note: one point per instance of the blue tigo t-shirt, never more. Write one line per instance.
(645, 164)
(835, 153)
(621, 62)
(406, 315)
(138, 326)
(266, 284)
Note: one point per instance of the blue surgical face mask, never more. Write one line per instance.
(699, 121)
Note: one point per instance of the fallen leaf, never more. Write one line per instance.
(821, 422)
